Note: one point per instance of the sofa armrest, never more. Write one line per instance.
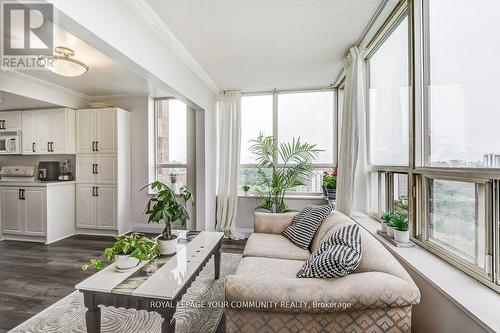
(354, 292)
(271, 223)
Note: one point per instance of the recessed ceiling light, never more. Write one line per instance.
(62, 63)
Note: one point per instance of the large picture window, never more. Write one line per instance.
(462, 84)
(389, 100)
(308, 115)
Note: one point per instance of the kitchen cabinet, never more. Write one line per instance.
(99, 168)
(10, 121)
(96, 206)
(103, 170)
(96, 131)
(23, 210)
(50, 131)
(34, 211)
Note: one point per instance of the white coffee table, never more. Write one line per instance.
(154, 286)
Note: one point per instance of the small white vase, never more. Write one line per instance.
(384, 227)
(390, 231)
(167, 247)
(123, 261)
(401, 236)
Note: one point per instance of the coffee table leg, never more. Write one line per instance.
(93, 314)
(168, 324)
(217, 262)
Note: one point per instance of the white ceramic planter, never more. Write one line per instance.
(125, 262)
(401, 236)
(167, 247)
(390, 231)
(384, 227)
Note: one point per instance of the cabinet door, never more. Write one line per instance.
(11, 210)
(29, 132)
(44, 123)
(106, 130)
(59, 122)
(85, 206)
(106, 168)
(12, 120)
(85, 131)
(85, 168)
(35, 212)
(106, 207)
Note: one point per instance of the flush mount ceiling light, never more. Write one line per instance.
(63, 64)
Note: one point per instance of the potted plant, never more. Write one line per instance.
(390, 228)
(164, 206)
(245, 188)
(127, 251)
(401, 232)
(330, 185)
(386, 219)
(295, 168)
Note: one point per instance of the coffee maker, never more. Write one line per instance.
(48, 171)
(65, 171)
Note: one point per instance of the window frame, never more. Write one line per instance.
(275, 93)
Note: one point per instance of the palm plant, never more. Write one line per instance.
(295, 169)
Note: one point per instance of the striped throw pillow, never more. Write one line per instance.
(337, 256)
(305, 224)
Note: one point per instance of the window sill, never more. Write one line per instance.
(477, 300)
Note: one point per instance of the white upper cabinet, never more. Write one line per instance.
(10, 121)
(96, 131)
(50, 131)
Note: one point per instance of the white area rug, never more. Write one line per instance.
(68, 314)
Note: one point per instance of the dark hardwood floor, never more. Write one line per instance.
(33, 276)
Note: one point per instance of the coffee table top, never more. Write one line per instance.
(163, 277)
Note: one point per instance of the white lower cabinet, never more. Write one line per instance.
(41, 212)
(96, 206)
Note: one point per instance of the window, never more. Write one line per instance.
(457, 218)
(462, 84)
(308, 115)
(400, 194)
(171, 141)
(389, 100)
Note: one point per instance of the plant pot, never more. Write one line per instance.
(123, 261)
(384, 227)
(401, 236)
(331, 193)
(390, 231)
(167, 247)
(325, 193)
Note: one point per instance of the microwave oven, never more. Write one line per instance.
(10, 142)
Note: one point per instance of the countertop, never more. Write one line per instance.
(36, 183)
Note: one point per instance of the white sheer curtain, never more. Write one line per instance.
(229, 137)
(352, 184)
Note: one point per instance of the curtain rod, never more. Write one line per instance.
(291, 90)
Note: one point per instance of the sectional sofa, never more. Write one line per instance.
(265, 296)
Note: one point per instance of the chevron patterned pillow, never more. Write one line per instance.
(305, 224)
(337, 256)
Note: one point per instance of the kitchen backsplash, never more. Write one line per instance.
(12, 160)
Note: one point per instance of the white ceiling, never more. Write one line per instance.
(15, 102)
(262, 44)
(105, 76)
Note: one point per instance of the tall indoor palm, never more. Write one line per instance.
(281, 167)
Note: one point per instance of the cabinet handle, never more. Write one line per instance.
(52, 146)
(97, 146)
(33, 147)
(48, 146)
(93, 146)
(96, 170)
(93, 191)
(2, 124)
(97, 191)
(23, 192)
(19, 195)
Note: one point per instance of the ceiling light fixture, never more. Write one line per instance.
(63, 64)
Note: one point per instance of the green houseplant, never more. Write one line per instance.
(386, 219)
(169, 207)
(330, 184)
(295, 168)
(127, 251)
(401, 232)
(245, 188)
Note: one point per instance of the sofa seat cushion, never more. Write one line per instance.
(273, 246)
(272, 282)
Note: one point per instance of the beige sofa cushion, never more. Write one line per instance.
(271, 223)
(273, 246)
(273, 280)
(337, 220)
